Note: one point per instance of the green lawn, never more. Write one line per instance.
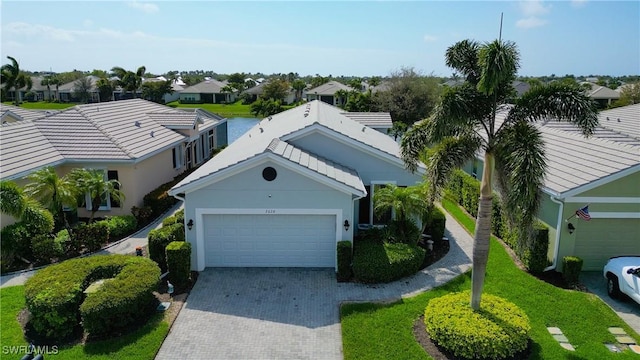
(384, 331)
(236, 109)
(142, 344)
(42, 105)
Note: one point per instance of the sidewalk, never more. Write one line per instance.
(124, 246)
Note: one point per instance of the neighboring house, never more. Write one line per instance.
(66, 91)
(284, 193)
(140, 143)
(603, 172)
(176, 85)
(207, 92)
(521, 87)
(327, 92)
(257, 91)
(602, 94)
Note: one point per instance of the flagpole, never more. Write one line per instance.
(575, 213)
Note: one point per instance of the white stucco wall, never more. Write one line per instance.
(248, 190)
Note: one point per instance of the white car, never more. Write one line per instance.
(623, 277)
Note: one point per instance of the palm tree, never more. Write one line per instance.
(12, 199)
(105, 89)
(93, 183)
(52, 191)
(45, 82)
(14, 78)
(407, 203)
(298, 85)
(464, 124)
(129, 80)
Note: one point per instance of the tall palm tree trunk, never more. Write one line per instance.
(482, 233)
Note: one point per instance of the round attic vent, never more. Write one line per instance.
(269, 173)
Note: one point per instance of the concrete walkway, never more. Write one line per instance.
(124, 246)
(284, 313)
(628, 310)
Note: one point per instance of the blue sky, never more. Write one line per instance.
(360, 38)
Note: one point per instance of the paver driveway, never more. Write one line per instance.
(276, 313)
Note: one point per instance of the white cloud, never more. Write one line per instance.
(430, 38)
(148, 8)
(48, 32)
(534, 8)
(530, 22)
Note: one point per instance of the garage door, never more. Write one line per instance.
(599, 239)
(233, 240)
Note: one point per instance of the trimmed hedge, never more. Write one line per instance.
(435, 223)
(93, 235)
(536, 256)
(498, 330)
(381, 262)
(45, 247)
(344, 259)
(178, 255)
(55, 297)
(169, 220)
(121, 226)
(160, 238)
(571, 267)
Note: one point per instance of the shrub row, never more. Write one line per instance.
(55, 295)
(381, 262)
(344, 258)
(465, 190)
(571, 267)
(158, 200)
(92, 236)
(160, 238)
(16, 239)
(499, 330)
(177, 218)
(178, 254)
(435, 223)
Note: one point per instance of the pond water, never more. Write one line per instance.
(237, 126)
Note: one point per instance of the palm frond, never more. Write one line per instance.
(520, 165)
(413, 143)
(463, 56)
(557, 101)
(449, 154)
(499, 62)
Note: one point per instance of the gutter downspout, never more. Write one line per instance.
(558, 231)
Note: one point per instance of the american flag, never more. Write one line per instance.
(584, 213)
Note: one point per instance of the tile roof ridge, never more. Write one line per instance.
(100, 128)
(273, 145)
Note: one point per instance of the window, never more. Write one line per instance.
(177, 156)
(203, 146)
(212, 141)
(366, 213)
(189, 155)
(113, 175)
(105, 204)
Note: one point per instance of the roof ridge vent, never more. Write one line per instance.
(273, 144)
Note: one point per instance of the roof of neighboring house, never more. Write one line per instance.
(574, 161)
(601, 92)
(256, 90)
(68, 87)
(23, 147)
(286, 125)
(207, 87)
(126, 130)
(376, 120)
(329, 88)
(24, 114)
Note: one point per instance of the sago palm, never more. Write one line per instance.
(464, 124)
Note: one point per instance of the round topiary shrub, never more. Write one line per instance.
(58, 304)
(382, 262)
(497, 331)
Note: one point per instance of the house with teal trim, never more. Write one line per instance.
(602, 173)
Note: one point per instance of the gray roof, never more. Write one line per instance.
(376, 120)
(329, 88)
(24, 114)
(126, 130)
(601, 92)
(206, 87)
(68, 87)
(322, 166)
(574, 161)
(23, 148)
(260, 138)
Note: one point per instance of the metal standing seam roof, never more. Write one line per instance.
(574, 160)
(329, 88)
(23, 147)
(371, 119)
(320, 165)
(286, 124)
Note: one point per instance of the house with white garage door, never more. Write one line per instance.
(284, 193)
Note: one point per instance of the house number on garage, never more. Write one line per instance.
(269, 211)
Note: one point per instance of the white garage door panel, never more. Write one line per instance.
(233, 240)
